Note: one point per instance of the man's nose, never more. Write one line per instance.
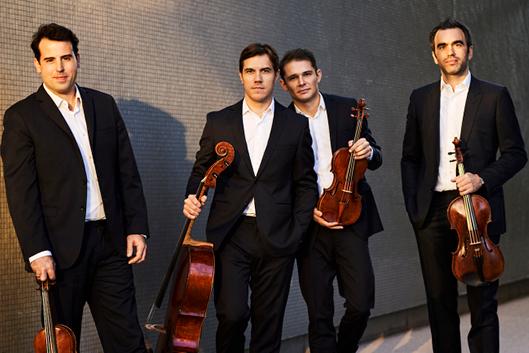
(301, 81)
(60, 66)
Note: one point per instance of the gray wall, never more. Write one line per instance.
(167, 63)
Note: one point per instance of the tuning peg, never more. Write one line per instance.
(453, 160)
(451, 153)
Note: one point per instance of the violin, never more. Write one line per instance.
(477, 260)
(341, 202)
(52, 338)
(193, 269)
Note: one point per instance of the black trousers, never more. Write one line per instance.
(345, 255)
(436, 242)
(241, 264)
(102, 278)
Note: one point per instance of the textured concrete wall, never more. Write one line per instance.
(168, 62)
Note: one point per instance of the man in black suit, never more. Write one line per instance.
(332, 250)
(482, 115)
(75, 195)
(262, 204)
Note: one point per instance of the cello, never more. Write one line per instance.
(52, 338)
(193, 267)
(341, 201)
(477, 260)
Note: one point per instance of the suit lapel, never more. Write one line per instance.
(275, 134)
(51, 110)
(471, 108)
(239, 137)
(88, 108)
(332, 120)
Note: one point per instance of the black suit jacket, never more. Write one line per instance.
(489, 125)
(342, 129)
(284, 188)
(46, 181)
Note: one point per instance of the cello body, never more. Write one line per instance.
(194, 280)
(191, 272)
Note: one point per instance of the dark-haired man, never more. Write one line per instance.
(262, 204)
(75, 194)
(331, 250)
(482, 115)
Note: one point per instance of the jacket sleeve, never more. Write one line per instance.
(22, 190)
(305, 180)
(205, 157)
(133, 200)
(510, 143)
(411, 158)
(376, 160)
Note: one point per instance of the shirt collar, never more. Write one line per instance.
(321, 108)
(60, 101)
(465, 84)
(246, 109)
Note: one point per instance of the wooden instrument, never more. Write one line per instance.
(341, 202)
(477, 260)
(52, 338)
(193, 268)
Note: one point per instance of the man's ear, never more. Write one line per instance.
(37, 65)
(283, 85)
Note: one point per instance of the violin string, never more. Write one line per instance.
(351, 166)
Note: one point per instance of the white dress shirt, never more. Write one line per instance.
(451, 112)
(321, 144)
(76, 121)
(256, 132)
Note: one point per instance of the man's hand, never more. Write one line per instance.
(139, 243)
(468, 183)
(192, 206)
(316, 214)
(361, 149)
(44, 268)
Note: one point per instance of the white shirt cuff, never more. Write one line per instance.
(39, 255)
(371, 155)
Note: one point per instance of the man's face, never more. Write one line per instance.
(301, 80)
(451, 52)
(258, 78)
(57, 66)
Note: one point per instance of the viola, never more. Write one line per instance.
(477, 260)
(192, 269)
(341, 202)
(52, 338)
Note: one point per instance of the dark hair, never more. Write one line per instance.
(298, 54)
(447, 24)
(256, 49)
(53, 31)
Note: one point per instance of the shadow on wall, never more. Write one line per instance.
(158, 141)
